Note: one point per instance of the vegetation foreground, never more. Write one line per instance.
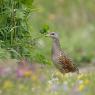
(46, 80)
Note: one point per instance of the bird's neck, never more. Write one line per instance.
(56, 48)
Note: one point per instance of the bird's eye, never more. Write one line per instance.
(52, 33)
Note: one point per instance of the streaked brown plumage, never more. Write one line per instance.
(59, 58)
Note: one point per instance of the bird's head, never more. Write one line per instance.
(53, 35)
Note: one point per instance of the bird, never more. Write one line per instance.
(61, 61)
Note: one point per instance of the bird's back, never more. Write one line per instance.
(64, 63)
(67, 64)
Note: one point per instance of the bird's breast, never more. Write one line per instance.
(55, 57)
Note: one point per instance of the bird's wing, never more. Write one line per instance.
(66, 63)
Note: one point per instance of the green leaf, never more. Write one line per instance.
(28, 3)
(44, 29)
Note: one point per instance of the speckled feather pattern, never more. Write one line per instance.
(62, 62)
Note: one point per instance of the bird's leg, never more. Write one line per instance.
(77, 71)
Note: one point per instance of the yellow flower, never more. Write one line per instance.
(80, 76)
(68, 75)
(86, 81)
(81, 87)
(27, 73)
(58, 74)
(7, 84)
(34, 77)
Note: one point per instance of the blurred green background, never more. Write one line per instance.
(75, 22)
(23, 25)
(21, 22)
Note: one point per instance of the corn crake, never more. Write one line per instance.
(62, 62)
